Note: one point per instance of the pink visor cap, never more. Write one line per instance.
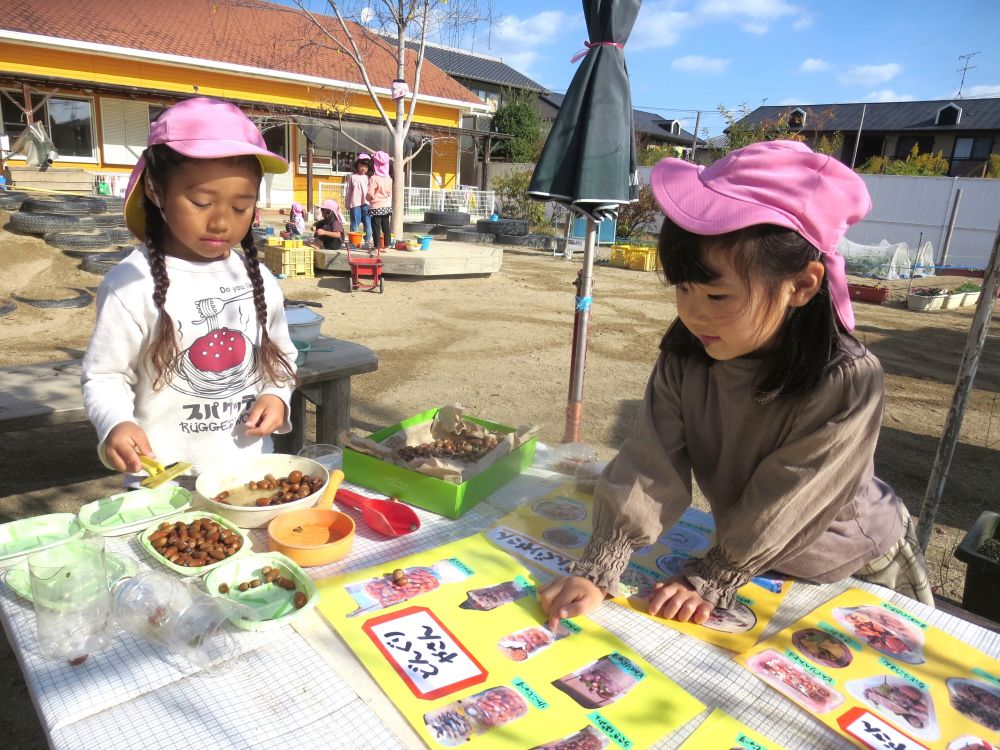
(200, 128)
(784, 183)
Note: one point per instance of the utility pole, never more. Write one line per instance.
(857, 138)
(694, 141)
(965, 67)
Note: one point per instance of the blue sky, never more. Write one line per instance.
(687, 55)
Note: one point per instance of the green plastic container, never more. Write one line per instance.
(430, 493)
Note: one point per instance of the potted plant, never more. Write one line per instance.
(953, 300)
(927, 298)
(980, 551)
(876, 293)
(970, 292)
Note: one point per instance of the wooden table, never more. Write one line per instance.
(49, 394)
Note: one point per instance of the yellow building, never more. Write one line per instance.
(96, 74)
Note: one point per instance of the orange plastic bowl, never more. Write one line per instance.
(311, 537)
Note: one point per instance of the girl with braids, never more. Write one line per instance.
(190, 359)
(760, 392)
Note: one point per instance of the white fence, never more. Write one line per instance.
(477, 203)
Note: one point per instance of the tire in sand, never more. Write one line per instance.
(11, 200)
(463, 235)
(446, 218)
(6, 307)
(71, 205)
(511, 227)
(92, 239)
(417, 227)
(35, 223)
(540, 241)
(81, 299)
(101, 263)
(109, 220)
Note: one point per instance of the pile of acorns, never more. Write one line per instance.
(460, 448)
(399, 577)
(202, 542)
(295, 486)
(270, 575)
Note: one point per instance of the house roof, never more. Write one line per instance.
(646, 123)
(477, 67)
(250, 33)
(977, 114)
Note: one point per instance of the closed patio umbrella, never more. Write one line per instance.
(589, 163)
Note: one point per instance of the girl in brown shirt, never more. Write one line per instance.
(760, 392)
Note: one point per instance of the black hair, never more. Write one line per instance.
(811, 336)
(161, 162)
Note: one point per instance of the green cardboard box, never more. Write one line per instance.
(431, 493)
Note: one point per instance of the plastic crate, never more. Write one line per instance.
(642, 259)
(619, 256)
(292, 261)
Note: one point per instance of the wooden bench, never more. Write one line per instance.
(49, 394)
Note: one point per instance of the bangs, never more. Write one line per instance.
(680, 254)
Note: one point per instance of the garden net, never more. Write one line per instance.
(887, 260)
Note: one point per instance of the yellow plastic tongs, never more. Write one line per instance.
(158, 473)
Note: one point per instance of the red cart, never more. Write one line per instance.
(366, 269)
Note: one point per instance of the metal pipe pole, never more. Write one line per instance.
(974, 343)
(578, 362)
(694, 141)
(857, 138)
(310, 151)
(951, 227)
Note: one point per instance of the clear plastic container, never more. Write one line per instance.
(330, 457)
(69, 588)
(177, 614)
(567, 457)
(587, 474)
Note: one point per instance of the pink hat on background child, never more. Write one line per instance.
(296, 208)
(200, 128)
(784, 183)
(364, 157)
(331, 205)
(380, 161)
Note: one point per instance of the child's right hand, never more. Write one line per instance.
(571, 596)
(124, 444)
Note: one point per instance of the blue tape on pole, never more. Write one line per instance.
(583, 303)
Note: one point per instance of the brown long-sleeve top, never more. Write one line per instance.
(790, 482)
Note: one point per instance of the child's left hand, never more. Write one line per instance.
(676, 599)
(267, 415)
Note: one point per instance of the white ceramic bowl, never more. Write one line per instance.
(213, 481)
(303, 323)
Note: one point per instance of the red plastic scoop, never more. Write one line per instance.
(388, 517)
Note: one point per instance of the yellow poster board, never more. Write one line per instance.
(720, 731)
(457, 640)
(884, 678)
(552, 532)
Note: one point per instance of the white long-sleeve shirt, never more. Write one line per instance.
(200, 415)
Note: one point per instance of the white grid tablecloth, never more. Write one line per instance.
(282, 693)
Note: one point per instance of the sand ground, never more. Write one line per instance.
(500, 346)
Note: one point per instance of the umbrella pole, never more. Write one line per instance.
(581, 326)
(960, 398)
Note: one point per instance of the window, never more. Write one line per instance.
(949, 115)
(491, 98)
(797, 118)
(68, 121)
(905, 144)
(334, 152)
(124, 130)
(155, 110)
(276, 139)
(973, 148)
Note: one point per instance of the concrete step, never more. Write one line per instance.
(53, 179)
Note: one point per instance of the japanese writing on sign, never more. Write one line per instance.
(875, 733)
(424, 652)
(534, 551)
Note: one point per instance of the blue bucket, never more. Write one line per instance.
(425, 241)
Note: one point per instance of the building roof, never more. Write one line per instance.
(977, 114)
(477, 67)
(250, 33)
(646, 123)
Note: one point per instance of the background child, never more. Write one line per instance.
(296, 224)
(760, 391)
(190, 359)
(329, 230)
(357, 202)
(380, 198)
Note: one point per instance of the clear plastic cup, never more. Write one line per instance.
(178, 615)
(69, 589)
(330, 457)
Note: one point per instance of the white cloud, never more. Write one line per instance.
(870, 74)
(658, 25)
(753, 16)
(700, 64)
(755, 27)
(803, 22)
(814, 65)
(980, 91)
(887, 95)
(518, 40)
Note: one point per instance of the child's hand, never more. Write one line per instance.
(569, 597)
(267, 415)
(123, 445)
(676, 599)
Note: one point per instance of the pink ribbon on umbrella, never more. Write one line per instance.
(590, 45)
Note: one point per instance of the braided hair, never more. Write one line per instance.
(161, 161)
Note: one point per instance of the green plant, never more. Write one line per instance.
(968, 286)
(830, 145)
(925, 165)
(993, 166)
(632, 217)
(519, 117)
(650, 155)
(512, 192)
(929, 291)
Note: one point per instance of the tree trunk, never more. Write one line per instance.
(399, 137)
